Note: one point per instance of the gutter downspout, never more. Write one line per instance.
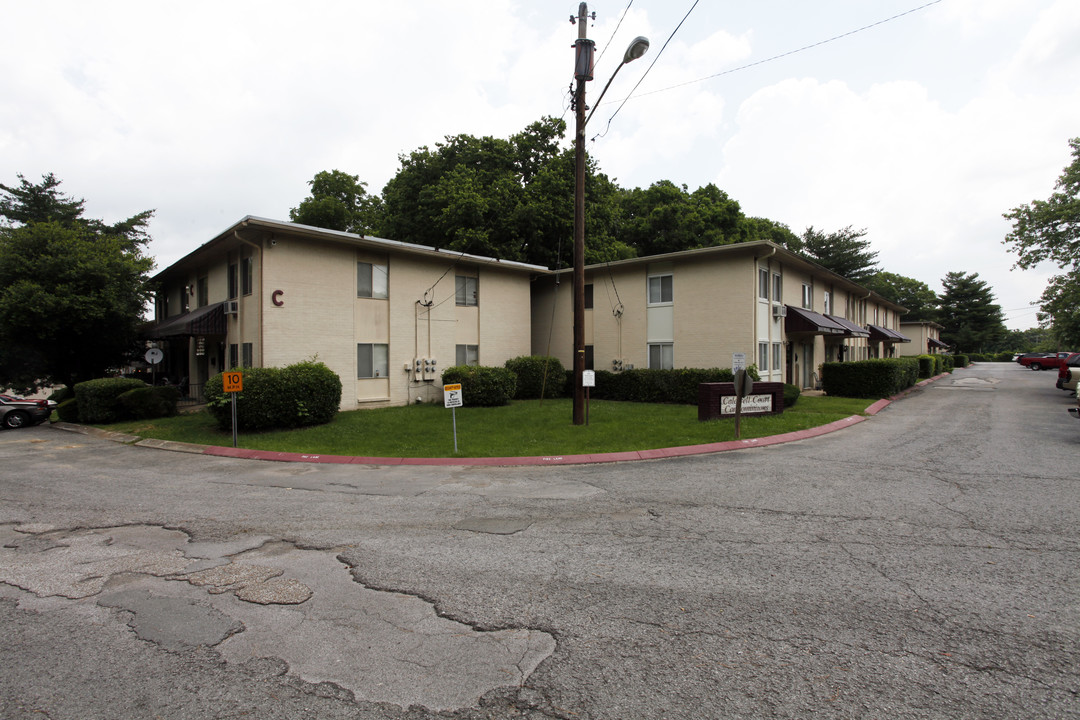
(768, 290)
(262, 270)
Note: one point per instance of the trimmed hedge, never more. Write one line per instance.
(791, 394)
(482, 386)
(68, 411)
(927, 366)
(536, 375)
(307, 393)
(150, 402)
(679, 386)
(869, 378)
(960, 361)
(99, 400)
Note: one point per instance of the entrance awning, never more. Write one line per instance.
(851, 329)
(935, 343)
(207, 320)
(883, 334)
(801, 320)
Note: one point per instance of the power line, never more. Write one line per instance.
(776, 57)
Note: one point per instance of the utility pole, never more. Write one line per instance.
(583, 72)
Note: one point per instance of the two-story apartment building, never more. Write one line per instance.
(386, 316)
(925, 338)
(697, 308)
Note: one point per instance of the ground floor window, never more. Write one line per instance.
(763, 356)
(372, 360)
(589, 356)
(468, 355)
(246, 355)
(234, 355)
(661, 356)
(776, 356)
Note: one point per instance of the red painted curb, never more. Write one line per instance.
(627, 456)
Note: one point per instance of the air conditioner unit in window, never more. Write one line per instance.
(779, 311)
(232, 307)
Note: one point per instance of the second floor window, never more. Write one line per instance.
(467, 290)
(808, 296)
(234, 280)
(372, 280)
(661, 289)
(246, 275)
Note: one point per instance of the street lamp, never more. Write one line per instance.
(583, 69)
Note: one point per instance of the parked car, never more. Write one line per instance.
(16, 412)
(1069, 373)
(1044, 361)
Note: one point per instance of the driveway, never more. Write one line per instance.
(919, 564)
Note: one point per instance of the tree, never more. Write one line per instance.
(1049, 231)
(971, 321)
(338, 201)
(844, 252)
(667, 217)
(72, 289)
(913, 294)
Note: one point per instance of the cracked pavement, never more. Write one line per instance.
(920, 564)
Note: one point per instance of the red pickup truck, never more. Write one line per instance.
(1050, 360)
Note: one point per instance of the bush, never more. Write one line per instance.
(537, 376)
(791, 394)
(62, 394)
(926, 366)
(678, 386)
(960, 360)
(68, 411)
(482, 386)
(307, 393)
(947, 363)
(870, 378)
(150, 402)
(99, 400)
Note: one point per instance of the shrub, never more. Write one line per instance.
(68, 411)
(791, 394)
(62, 394)
(307, 393)
(150, 402)
(926, 366)
(947, 363)
(870, 378)
(537, 376)
(99, 400)
(481, 385)
(678, 386)
(960, 360)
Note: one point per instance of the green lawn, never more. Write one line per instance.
(522, 428)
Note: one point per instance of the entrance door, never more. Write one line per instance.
(807, 364)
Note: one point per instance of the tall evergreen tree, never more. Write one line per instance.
(845, 252)
(920, 301)
(971, 320)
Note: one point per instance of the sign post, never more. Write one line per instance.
(452, 399)
(154, 356)
(744, 385)
(233, 382)
(588, 381)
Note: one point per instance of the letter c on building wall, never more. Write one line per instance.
(275, 298)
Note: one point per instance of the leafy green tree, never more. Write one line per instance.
(971, 320)
(1049, 231)
(755, 228)
(72, 289)
(845, 252)
(338, 201)
(913, 294)
(666, 217)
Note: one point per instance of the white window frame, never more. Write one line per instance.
(777, 288)
(665, 355)
(763, 356)
(777, 354)
(763, 284)
(467, 355)
(372, 280)
(466, 291)
(808, 296)
(826, 298)
(657, 287)
(373, 358)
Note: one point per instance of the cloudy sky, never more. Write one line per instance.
(921, 122)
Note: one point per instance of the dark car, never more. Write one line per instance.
(18, 412)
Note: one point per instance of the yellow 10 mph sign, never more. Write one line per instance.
(233, 382)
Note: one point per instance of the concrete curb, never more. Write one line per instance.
(628, 456)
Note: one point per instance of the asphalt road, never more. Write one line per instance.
(921, 564)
